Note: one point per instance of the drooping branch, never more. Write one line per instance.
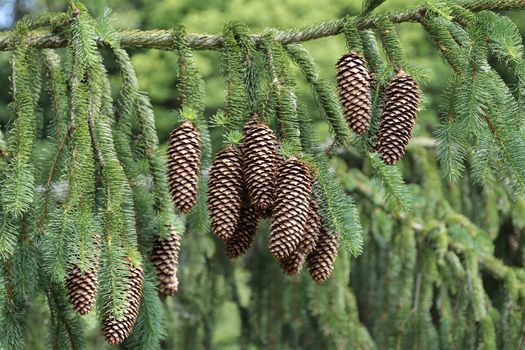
(163, 39)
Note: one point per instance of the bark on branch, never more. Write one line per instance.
(163, 39)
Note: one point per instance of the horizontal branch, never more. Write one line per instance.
(163, 39)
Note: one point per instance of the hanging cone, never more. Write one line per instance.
(398, 117)
(116, 331)
(293, 263)
(259, 153)
(184, 158)
(225, 188)
(311, 229)
(244, 236)
(292, 200)
(82, 289)
(165, 258)
(321, 261)
(353, 85)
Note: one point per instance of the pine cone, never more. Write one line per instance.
(116, 331)
(353, 85)
(165, 258)
(311, 229)
(259, 153)
(244, 236)
(398, 117)
(321, 261)
(292, 200)
(293, 263)
(225, 189)
(82, 289)
(184, 158)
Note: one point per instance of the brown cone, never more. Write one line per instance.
(244, 236)
(165, 258)
(292, 200)
(259, 153)
(353, 85)
(293, 263)
(398, 117)
(311, 229)
(321, 261)
(82, 289)
(225, 189)
(184, 158)
(116, 331)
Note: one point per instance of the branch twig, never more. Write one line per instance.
(163, 39)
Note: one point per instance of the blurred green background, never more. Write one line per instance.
(157, 72)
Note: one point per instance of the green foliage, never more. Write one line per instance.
(83, 180)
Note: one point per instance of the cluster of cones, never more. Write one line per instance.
(398, 112)
(253, 182)
(82, 288)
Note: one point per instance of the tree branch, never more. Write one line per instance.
(163, 39)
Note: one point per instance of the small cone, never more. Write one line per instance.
(312, 229)
(244, 236)
(225, 189)
(398, 117)
(321, 261)
(165, 258)
(184, 158)
(292, 201)
(82, 289)
(116, 331)
(293, 264)
(259, 153)
(353, 85)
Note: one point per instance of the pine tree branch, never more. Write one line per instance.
(163, 39)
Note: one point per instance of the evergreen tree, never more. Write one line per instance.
(96, 221)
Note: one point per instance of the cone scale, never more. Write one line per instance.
(116, 331)
(225, 189)
(184, 156)
(321, 261)
(165, 258)
(82, 289)
(398, 117)
(353, 86)
(292, 201)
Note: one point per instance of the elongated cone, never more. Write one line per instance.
(82, 289)
(116, 331)
(259, 153)
(353, 85)
(312, 229)
(398, 117)
(244, 236)
(165, 258)
(321, 261)
(184, 158)
(292, 201)
(225, 189)
(293, 263)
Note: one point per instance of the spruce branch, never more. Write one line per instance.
(163, 39)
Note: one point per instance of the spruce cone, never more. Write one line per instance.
(293, 264)
(116, 331)
(259, 153)
(353, 85)
(165, 258)
(321, 261)
(82, 289)
(225, 189)
(245, 234)
(292, 200)
(311, 229)
(184, 158)
(398, 117)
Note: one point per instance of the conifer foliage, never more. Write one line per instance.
(97, 227)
